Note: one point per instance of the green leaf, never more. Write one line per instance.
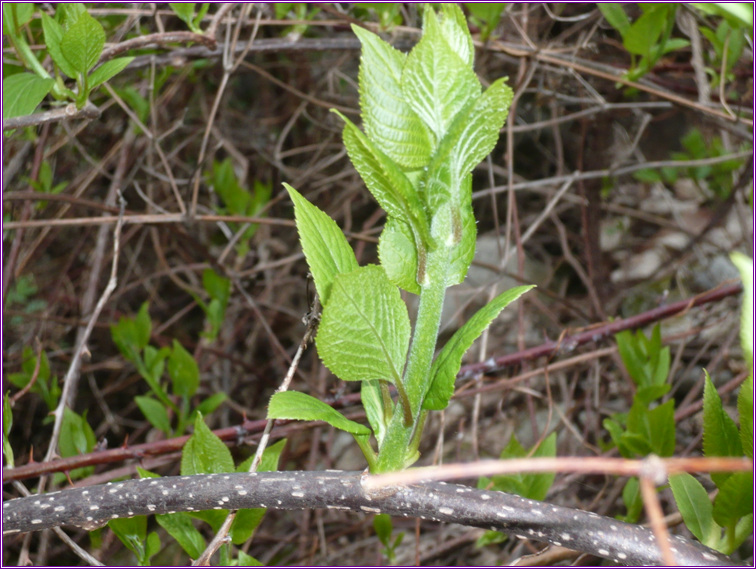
(721, 437)
(745, 267)
(143, 326)
(204, 452)
(179, 526)
(217, 286)
(22, 93)
(389, 121)
(108, 70)
(82, 43)
(183, 370)
(651, 430)
(449, 360)
(735, 499)
(694, 505)
(133, 533)
(633, 501)
(154, 412)
(210, 404)
(53, 36)
(436, 82)
(470, 138)
(389, 185)
(302, 407)
(534, 486)
(152, 547)
(184, 10)
(76, 436)
(454, 30)
(326, 249)
(745, 412)
(383, 528)
(490, 538)
(372, 401)
(15, 15)
(227, 186)
(364, 330)
(615, 15)
(247, 560)
(7, 424)
(645, 32)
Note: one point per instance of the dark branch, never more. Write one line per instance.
(92, 507)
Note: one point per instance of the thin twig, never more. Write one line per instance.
(67, 113)
(73, 368)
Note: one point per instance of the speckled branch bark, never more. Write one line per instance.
(92, 507)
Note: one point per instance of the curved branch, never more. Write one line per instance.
(92, 507)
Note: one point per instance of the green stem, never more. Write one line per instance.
(396, 452)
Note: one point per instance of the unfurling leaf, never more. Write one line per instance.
(388, 119)
(449, 360)
(364, 330)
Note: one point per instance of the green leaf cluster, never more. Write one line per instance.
(649, 426)
(728, 521)
(238, 200)
(74, 40)
(45, 384)
(132, 336)
(427, 123)
(711, 179)
(648, 38)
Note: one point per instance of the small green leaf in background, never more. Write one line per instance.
(364, 330)
(22, 92)
(183, 371)
(82, 43)
(534, 486)
(204, 452)
(695, 507)
(326, 249)
(644, 32)
(486, 16)
(633, 500)
(7, 424)
(76, 438)
(246, 560)
(53, 36)
(302, 407)
(615, 15)
(721, 437)
(734, 500)
(179, 526)
(154, 412)
(448, 362)
(46, 385)
(108, 70)
(207, 406)
(745, 412)
(15, 15)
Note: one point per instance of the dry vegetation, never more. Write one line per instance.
(557, 204)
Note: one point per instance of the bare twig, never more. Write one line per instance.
(67, 113)
(73, 368)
